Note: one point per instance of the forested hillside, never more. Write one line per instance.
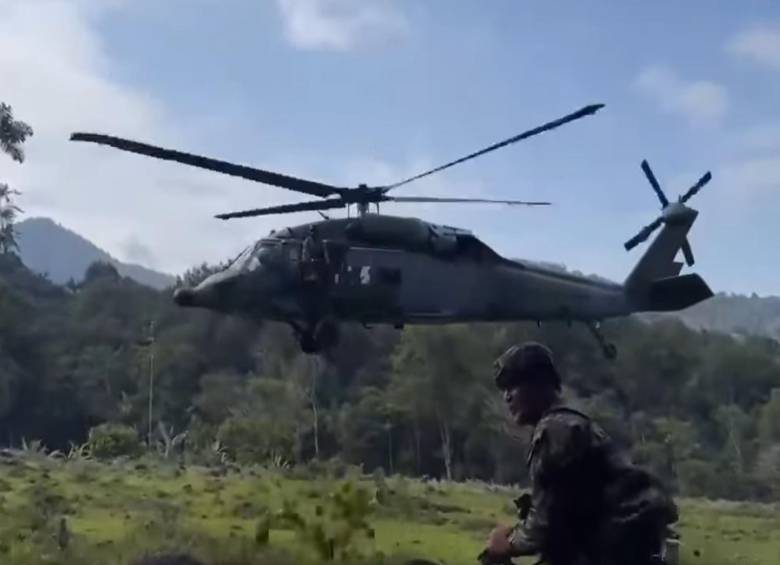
(702, 408)
(739, 314)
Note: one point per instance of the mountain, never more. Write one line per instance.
(735, 314)
(51, 249)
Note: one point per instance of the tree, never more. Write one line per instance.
(8, 212)
(433, 380)
(12, 134)
(265, 424)
(769, 420)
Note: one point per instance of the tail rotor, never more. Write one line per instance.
(668, 211)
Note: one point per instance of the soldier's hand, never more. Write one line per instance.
(498, 541)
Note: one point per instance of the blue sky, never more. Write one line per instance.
(349, 91)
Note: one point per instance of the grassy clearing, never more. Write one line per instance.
(116, 512)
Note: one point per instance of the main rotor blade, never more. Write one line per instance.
(587, 110)
(687, 252)
(696, 187)
(463, 200)
(284, 209)
(654, 183)
(250, 173)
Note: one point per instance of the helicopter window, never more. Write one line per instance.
(242, 258)
(267, 252)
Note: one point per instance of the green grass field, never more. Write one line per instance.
(113, 513)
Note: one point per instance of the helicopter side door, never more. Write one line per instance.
(367, 285)
(441, 290)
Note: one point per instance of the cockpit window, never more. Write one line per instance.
(246, 261)
(241, 258)
(267, 252)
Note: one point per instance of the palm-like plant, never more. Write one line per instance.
(8, 212)
(13, 133)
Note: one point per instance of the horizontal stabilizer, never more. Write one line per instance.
(674, 269)
(677, 293)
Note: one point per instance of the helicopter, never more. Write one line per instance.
(382, 269)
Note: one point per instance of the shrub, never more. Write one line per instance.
(111, 440)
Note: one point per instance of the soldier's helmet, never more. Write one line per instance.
(526, 362)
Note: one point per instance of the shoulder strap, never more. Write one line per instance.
(560, 409)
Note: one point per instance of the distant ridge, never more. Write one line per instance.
(50, 249)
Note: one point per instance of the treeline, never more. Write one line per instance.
(702, 409)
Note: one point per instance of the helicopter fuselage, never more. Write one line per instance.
(388, 270)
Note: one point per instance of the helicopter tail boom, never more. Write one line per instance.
(655, 284)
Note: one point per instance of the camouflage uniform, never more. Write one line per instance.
(589, 504)
(312, 247)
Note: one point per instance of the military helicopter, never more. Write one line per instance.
(381, 269)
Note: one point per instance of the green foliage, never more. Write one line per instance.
(13, 133)
(769, 419)
(116, 513)
(245, 440)
(696, 407)
(8, 213)
(265, 423)
(100, 270)
(111, 440)
(337, 525)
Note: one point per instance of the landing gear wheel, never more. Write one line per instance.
(609, 349)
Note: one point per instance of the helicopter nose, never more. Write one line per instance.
(184, 297)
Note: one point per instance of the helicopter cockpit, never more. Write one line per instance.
(264, 252)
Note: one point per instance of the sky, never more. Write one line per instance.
(351, 91)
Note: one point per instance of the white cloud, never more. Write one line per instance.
(57, 76)
(700, 102)
(340, 25)
(752, 177)
(761, 138)
(138, 252)
(760, 43)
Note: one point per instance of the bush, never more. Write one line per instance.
(111, 440)
(251, 440)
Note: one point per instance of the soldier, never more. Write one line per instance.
(589, 504)
(312, 256)
(312, 247)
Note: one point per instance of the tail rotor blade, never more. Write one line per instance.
(688, 253)
(696, 187)
(654, 183)
(643, 234)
